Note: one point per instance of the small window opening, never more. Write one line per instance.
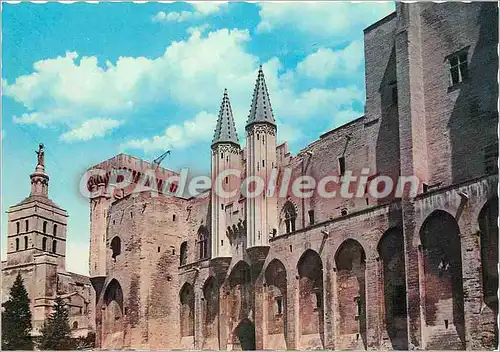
(44, 244)
(311, 217)
(184, 253)
(257, 136)
(222, 206)
(226, 180)
(342, 165)
(221, 242)
(173, 217)
(459, 70)
(116, 247)
(290, 248)
(319, 300)
(425, 187)
(263, 163)
(222, 156)
(446, 323)
(17, 227)
(159, 249)
(279, 305)
(26, 223)
(75, 325)
(343, 212)
(25, 242)
(17, 244)
(54, 246)
(131, 215)
(54, 230)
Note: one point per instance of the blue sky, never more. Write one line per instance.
(93, 80)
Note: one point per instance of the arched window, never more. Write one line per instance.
(25, 242)
(17, 227)
(116, 247)
(45, 227)
(75, 325)
(202, 242)
(17, 244)
(27, 223)
(54, 230)
(44, 244)
(54, 246)
(183, 257)
(290, 216)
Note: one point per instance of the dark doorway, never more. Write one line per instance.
(245, 332)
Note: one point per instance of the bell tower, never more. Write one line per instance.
(37, 226)
(261, 160)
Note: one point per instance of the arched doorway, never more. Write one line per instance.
(276, 303)
(488, 218)
(351, 294)
(187, 310)
(245, 335)
(112, 317)
(392, 259)
(311, 307)
(444, 297)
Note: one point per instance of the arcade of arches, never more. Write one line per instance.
(295, 304)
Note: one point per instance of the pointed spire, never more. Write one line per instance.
(225, 130)
(261, 110)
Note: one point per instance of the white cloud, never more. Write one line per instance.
(335, 19)
(77, 257)
(191, 73)
(97, 127)
(178, 136)
(200, 10)
(325, 62)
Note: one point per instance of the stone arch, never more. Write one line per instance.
(350, 262)
(240, 285)
(210, 307)
(187, 310)
(443, 289)
(311, 306)
(276, 300)
(116, 247)
(392, 261)
(112, 316)
(288, 217)
(244, 335)
(488, 226)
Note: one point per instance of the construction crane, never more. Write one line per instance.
(159, 159)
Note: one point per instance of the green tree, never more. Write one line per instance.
(16, 318)
(56, 332)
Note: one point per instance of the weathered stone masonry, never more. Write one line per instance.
(362, 273)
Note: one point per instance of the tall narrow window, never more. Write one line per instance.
(459, 70)
(54, 230)
(17, 227)
(45, 227)
(54, 246)
(183, 255)
(202, 242)
(25, 242)
(17, 244)
(116, 247)
(27, 225)
(44, 244)
(279, 305)
(311, 217)
(342, 165)
(290, 217)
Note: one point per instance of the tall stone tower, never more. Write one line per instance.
(260, 161)
(99, 203)
(36, 246)
(226, 155)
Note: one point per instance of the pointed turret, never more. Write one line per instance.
(225, 130)
(261, 110)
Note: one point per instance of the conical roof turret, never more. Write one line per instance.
(225, 130)
(261, 110)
